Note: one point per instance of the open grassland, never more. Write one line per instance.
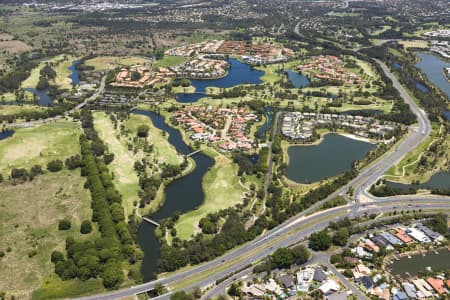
(30, 214)
(16, 109)
(125, 177)
(13, 47)
(404, 171)
(164, 152)
(222, 190)
(111, 62)
(169, 61)
(54, 288)
(39, 145)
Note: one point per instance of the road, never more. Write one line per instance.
(97, 93)
(302, 225)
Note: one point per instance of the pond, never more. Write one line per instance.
(297, 79)
(397, 65)
(432, 67)
(440, 180)
(5, 134)
(238, 73)
(262, 130)
(182, 195)
(447, 115)
(42, 96)
(333, 156)
(418, 263)
(74, 76)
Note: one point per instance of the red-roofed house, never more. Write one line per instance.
(437, 284)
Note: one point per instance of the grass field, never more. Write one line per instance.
(39, 145)
(111, 62)
(55, 288)
(125, 177)
(404, 171)
(29, 214)
(414, 44)
(169, 61)
(15, 109)
(222, 190)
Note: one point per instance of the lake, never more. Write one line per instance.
(447, 115)
(432, 67)
(333, 156)
(440, 180)
(297, 79)
(181, 195)
(238, 73)
(419, 263)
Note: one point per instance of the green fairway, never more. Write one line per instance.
(125, 177)
(164, 152)
(30, 212)
(39, 145)
(62, 79)
(222, 190)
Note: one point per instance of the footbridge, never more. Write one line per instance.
(193, 153)
(148, 220)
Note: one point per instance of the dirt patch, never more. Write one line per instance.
(6, 37)
(13, 47)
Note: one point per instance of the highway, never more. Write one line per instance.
(302, 225)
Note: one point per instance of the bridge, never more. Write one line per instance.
(148, 220)
(193, 153)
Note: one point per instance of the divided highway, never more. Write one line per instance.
(302, 225)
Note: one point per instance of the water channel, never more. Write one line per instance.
(333, 156)
(238, 73)
(432, 66)
(418, 263)
(182, 195)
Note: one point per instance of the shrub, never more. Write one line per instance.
(64, 224)
(86, 227)
(55, 165)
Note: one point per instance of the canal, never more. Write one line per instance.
(333, 156)
(407, 267)
(182, 195)
(238, 73)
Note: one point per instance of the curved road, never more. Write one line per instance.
(303, 225)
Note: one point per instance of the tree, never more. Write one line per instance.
(64, 224)
(282, 258)
(438, 223)
(341, 236)
(142, 131)
(55, 165)
(56, 256)
(112, 275)
(320, 241)
(301, 254)
(235, 290)
(86, 227)
(181, 295)
(135, 76)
